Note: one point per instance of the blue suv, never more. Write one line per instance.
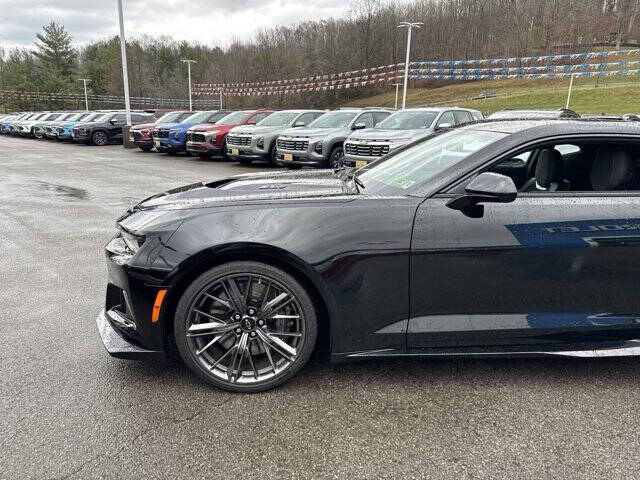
(64, 129)
(171, 137)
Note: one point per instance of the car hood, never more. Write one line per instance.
(166, 125)
(311, 132)
(208, 127)
(255, 129)
(381, 134)
(142, 126)
(250, 188)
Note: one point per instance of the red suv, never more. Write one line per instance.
(208, 140)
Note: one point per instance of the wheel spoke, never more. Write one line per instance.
(253, 366)
(214, 340)
(287, 351)
(211, 328)
(275, 304)
(208, 315)
(285, 317)
(222, 302)
(267, 350)
(238, 356)
(285, 334)
(233, 292)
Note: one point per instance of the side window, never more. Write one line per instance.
(367, 119)
(259, 116)
(317, 114)
(446, 117)
(306, 118)
(379, 116)
(462, 117)
(120, 118)
(215, 117)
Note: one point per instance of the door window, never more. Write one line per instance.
(305, 119)
(367, 119)
(259, 116)
(462, 117)
(446, 117)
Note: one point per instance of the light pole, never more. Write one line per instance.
(570, 88)
(396, 85)
(86, 100)
(220, 99)
(125, 74)
(189, 62)
(409, 26)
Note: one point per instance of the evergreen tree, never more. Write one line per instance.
(57, 58)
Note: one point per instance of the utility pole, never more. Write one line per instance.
(86, 100)
(189, 62)
(396, 85)
(570, 88)
(409, 26)
(220, 91)
(125, 74)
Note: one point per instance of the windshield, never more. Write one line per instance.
(78, 116)
(408, 120)
(200, 117)
(53, 116)
(173, 117)
(92, 117)
(233, 118)
(278, 119)
(333, 120)
(418, 164)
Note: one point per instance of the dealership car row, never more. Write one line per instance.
(291, 138)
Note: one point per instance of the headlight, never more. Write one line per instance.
(123, 247)
(211, 136)
(260, 142)
(145, 132)
(318, 147)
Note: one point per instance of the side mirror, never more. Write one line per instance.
(298, 124)
(112, 121)
(358, 126)
(442, 126)
(485, 188)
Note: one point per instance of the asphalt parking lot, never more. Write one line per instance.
(68, 410)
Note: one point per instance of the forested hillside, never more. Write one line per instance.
(366, 37)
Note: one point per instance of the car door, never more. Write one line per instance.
(115, 126)
(545, 269)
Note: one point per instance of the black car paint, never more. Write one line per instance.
(404, 274)
(112, 126)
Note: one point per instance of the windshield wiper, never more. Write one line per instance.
(349, 178)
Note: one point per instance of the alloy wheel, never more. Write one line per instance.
(245, 329)
(337, 158)
(99, 138)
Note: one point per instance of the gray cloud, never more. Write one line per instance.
(207, 21)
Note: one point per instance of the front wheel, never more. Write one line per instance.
(99, 139)
(145, 148)
(245, 326)
(337, 157)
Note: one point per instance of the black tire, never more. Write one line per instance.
(99, 138)
(145, 148)
(273, 156)
(207, 280)
(337, 157)
(225, 156)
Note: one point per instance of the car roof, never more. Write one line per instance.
(556, 127)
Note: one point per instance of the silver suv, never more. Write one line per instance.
(321, 143)
(258, 142)
(401, 128)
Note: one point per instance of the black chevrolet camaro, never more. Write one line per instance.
(503, 238)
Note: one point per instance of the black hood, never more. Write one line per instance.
(250, 188)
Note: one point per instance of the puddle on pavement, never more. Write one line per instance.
(71, 193)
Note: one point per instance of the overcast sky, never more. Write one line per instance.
(206, 21)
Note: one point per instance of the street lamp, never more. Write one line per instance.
(409, 26)
(123, 54)
(86, 100)
(189, 62)
(396, 85)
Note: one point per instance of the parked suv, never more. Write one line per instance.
(141, 134)
(24, 127)
(51, 128)
(40, 128)
(258, 142)
(172, 138)
(208, 140)
(320, 144)
(401, 128)
(107, 128)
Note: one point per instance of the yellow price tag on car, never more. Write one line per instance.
(361, 163)
(156, 143)
(288, 157)
(235, 151)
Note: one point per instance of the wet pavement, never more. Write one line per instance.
(68, 410)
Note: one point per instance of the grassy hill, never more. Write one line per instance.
(613, 95)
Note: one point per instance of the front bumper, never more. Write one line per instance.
(301, 158)
(199, 148)
(358, 161)
(116, 345)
